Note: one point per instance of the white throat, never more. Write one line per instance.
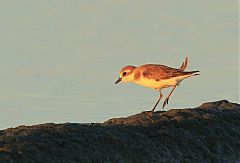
(129, 78)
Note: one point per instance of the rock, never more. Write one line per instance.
(208, 133)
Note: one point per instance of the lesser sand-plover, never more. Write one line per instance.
(156, 76)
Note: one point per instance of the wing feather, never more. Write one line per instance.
(160, 72)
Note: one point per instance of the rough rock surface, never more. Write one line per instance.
(208, 133)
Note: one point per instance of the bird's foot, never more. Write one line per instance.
(165, 102)
(150, 113)
(152, 110)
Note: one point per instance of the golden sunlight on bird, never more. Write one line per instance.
(156, 76)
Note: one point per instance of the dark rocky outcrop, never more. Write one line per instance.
(208, 133)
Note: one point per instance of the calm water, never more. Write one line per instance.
(59, 59)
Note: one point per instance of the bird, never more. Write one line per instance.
(156, 76)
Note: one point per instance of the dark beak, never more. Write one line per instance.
(119, 79)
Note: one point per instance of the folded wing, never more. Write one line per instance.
(161, 72)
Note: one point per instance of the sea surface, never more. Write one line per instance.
(59, 59)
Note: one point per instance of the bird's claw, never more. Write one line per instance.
(165, 102)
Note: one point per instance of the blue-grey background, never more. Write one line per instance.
(59, 59)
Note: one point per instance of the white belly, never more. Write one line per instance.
(160, 84)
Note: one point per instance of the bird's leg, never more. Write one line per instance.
(166, 100)
(157, 100)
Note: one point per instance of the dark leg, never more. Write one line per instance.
(166, 100)
(157, 101)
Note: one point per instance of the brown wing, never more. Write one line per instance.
(159, 72)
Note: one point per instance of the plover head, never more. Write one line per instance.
(126, 74)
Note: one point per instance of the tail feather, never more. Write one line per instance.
(184, 64)
(193, 73)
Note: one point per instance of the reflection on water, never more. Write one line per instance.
(58, 67)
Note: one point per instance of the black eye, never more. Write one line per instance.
(124, 73)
